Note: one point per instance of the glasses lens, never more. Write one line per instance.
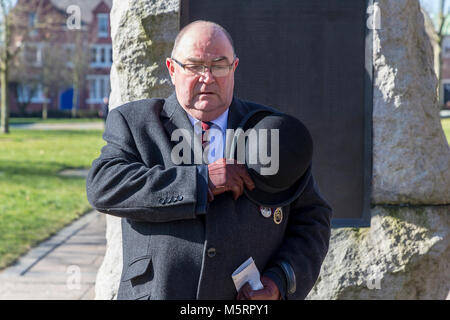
(194, 68)
(220, 71)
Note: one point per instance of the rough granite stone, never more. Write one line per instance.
(411, 156)
(405, 254)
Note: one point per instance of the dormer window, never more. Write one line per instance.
(103, 25)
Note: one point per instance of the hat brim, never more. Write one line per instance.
(279, 199)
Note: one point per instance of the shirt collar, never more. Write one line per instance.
(221, 121)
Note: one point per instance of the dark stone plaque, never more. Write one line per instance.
(311, 59)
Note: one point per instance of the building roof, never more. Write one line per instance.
(86, 6)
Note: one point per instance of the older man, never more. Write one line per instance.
(187, 226)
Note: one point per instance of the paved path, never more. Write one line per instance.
(63, 267)
(60, 126)
(445, 113)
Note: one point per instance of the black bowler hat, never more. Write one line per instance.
(295, 146)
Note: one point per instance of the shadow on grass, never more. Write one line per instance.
(35, 168)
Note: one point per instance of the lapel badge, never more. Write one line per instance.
(266, 212)
(278, 215)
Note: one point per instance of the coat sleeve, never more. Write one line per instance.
(305, 246)
(120, 184)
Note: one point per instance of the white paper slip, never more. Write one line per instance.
(247, 272)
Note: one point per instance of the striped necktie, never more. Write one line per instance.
(205, 139)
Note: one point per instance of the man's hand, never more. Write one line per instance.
(269, 292)
(225, 177)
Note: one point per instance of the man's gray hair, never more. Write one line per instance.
(217, 27)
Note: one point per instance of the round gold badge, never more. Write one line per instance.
(278, 215)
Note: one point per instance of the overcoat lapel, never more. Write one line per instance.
(236, 112)
(174, 117)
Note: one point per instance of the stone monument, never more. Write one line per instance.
(405, 253)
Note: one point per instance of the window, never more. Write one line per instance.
(70, 53)
(98, 88)
(103, 25)
(32, 20)
(32, 24)
(446, 47)
(33, 54)
(101, 56)
(25, 90)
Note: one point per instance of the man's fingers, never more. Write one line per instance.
(210, 195)
(237, 186)
(244, 292)
(262, 294)
(246, 178)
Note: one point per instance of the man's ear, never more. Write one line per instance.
(236, 62)
(170, 66)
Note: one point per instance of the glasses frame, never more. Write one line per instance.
(183, 65)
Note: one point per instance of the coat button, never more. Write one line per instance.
(179, 198)
(169, 200)
(162, 201)
(211, 252)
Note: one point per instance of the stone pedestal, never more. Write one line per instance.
(405, 252)
(143, 33)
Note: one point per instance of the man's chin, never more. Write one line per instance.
(206, 111)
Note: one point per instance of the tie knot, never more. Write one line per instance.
(206, 125)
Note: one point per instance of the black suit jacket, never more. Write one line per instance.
(175, 244)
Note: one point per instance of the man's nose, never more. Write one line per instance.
(207, 76)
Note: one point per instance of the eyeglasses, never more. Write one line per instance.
(216, 70)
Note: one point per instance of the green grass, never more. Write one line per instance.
(52, 120)
(35, 202)
(446, 126)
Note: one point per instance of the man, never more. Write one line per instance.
(104, 109)
(187, 227)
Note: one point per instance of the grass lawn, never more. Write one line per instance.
(446, 126)
(35, 202)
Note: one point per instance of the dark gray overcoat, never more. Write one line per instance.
(175, 244)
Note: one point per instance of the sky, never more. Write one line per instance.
(432, 7)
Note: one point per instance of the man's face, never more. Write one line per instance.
(203, 95)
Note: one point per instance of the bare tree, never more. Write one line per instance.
(20, 21)
(55, 73)
(80, 65)
(5, 58)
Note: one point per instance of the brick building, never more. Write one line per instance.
(445, 69)
(70, 25)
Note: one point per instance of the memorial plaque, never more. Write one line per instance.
(313, 60)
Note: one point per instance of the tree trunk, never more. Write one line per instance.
(45, 105)
(4, 101)
(74, 99)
